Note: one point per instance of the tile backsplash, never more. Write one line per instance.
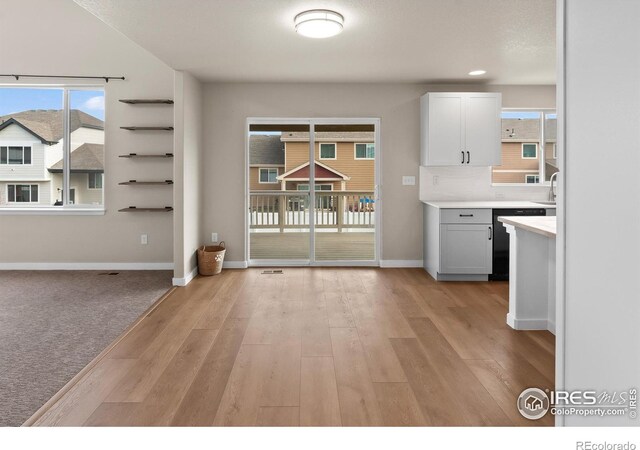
(471, 183)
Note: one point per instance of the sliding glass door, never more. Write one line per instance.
(312, 192)
(345, 195)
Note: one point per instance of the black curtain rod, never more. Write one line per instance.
(106, 79)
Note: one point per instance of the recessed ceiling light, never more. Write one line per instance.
(319, 23)
(475, 73)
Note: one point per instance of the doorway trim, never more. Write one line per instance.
(375, 121)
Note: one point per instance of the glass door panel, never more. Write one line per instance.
(279, 205)
(345, 192)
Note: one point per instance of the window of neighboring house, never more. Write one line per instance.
(529, 151)
(365, 151)
(319, 187)
(22, 193)
(61, 132)
(327, 151)
(95, 180)
(268, 176)
(13, 154)
(323, 201)
(531, 178)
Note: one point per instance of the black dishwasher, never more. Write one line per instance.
(501, 240)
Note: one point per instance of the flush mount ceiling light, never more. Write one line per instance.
(475, 73)
(318, 23)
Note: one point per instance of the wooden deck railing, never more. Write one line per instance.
(290, 209)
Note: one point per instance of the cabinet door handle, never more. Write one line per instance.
(462, 151)
(490, 233)
(466, 215)
(468, 157)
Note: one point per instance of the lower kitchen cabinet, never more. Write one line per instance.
(465, 248)
(458, 243)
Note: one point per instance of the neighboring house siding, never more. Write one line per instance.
(361, 171)
(14, 135)
(86, 135)
(255, 185)
(79, 182)
(512, 158)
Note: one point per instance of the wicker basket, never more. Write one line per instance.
(210, 259)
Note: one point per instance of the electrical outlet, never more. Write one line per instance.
(408, 180)
(436, 180)
(144, 239)
(499, 196)
(214, 237)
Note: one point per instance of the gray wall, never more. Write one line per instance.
(227, 105)
(188, 184)
(601, 200)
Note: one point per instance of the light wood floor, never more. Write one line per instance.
(330, 246)
(316, 347)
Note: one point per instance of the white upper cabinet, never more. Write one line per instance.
(460, 128)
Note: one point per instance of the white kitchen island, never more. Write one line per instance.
(532, 272)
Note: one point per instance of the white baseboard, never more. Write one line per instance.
(401, 263)
(528, 324)
(184, 281)
(235, 265)
(85, 266)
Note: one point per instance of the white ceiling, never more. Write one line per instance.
(383, 40)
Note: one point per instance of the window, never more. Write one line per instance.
(555, 155)
(268, 176)
(61, 139)
(95, 180)
(327, 151)
(365, 151)
(319, 187)
(22, 193)
(531, 178)
(529, 151)
(15, 154)
(528, 137)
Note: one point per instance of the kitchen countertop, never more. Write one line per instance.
(489, 204)
(544, 225)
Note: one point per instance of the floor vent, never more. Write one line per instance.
(272, 272)
(109, 273)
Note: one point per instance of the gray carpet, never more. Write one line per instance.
(53, 323)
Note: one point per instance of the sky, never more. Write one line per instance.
(14, 100)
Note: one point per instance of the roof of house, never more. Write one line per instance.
(527, 130)
(266, 149)
(330, 136)
(47, 124)
(86, 158)
(322, 173)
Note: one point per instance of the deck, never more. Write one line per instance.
(330, 246)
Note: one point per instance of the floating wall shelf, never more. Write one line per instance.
(140, 209)
(148, 128)
(147, 101)
(145, 183)
(153, 155)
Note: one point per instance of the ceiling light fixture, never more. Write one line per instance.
(319, 23)
(475, 73)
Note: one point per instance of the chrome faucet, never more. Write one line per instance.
(552, 194)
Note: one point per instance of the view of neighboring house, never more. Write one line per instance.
(31, 158)
(521, 151)
(344, 161)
